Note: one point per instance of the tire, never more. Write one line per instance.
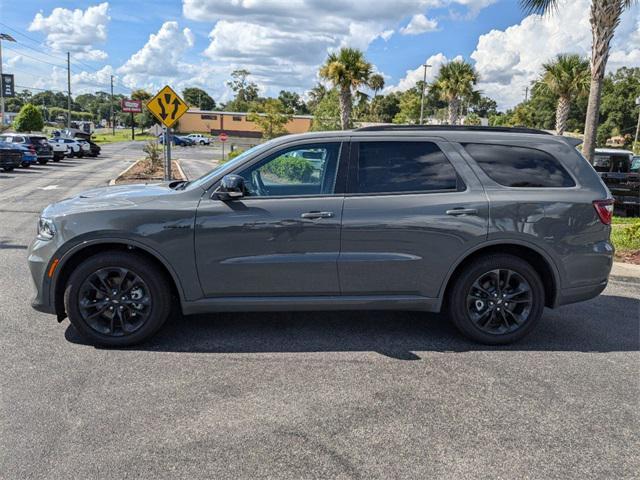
(505, 329)
(202, 142)
(150, 318)
(8, 169)
(56, 159)
(25, 164)
(43, 162)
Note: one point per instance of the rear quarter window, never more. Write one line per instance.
(519, 166)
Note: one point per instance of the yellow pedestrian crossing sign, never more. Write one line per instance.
(167, 106)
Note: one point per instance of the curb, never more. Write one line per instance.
(113, 180)
(184, 177)
(625, 272)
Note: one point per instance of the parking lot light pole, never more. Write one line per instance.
(424, 83)
(635, 142)
(8, 38)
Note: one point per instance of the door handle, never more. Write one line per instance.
(462, 211)
(316, 215)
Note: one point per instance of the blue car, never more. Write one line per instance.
(29, 156)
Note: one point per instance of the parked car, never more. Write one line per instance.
(199, 138)
(178, 141)
(85, 146)
(488, 224)
(59, 149)
(10, 156)
(39, 142)
(29, 155)
(73, 147)
(619, 172)
(94, 148)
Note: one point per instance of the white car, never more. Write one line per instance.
(199, 138)
(73, 147)
(59, 149)
(86, 146)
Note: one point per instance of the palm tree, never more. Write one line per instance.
(454, 82)
(376, 83)
(347, 70)
(566, 77)
(604, 18)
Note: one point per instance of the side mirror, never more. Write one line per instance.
(231, 187)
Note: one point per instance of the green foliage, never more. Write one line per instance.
(472, 119)
(29, 119)
(153, 154)
(292, 103)
(384, 108)
(408, 107)
(326, 115)
(245, 91)
(270, 117)
(55, 113)
(294, 169)
(196, 97)
(233, 154)
(626, 235)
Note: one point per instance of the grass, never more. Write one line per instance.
(625, 235)
(123, 135)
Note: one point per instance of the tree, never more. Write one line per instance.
(245, 91)
(29, 119)
(566, 77)
(347, 70)
(455, 82)
(292, 103)
(141, 94)
(316, 94)
(196, 97)
(472, 119)
(408, 107)
(604, 18)
(270, 118)
(326, 115)
(376, 83)
(484, 106)
(385, 107)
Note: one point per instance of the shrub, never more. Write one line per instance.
(29, 119)
(292, 168)
(233, 154)
(153, 155)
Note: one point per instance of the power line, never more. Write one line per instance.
(36, 59)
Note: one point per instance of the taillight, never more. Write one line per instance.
(32, 149)
(604, 209)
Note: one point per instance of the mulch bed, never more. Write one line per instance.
(629, 257)
(142, 173)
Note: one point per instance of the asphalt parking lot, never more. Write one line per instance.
(305, 395)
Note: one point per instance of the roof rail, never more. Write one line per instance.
(432, 128)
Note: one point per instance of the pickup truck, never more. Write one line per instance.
(620, 171)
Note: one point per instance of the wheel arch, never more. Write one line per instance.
(539, 260)
(81, 252)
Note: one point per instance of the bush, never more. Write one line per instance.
(233, 154)
(292, 168)
(153, 154)
(29, 119)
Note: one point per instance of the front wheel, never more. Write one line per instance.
(117, 299)
(497, 299)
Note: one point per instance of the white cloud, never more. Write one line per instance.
(509, 60)
(413, 76)
(76, 31)
(161, 56)
(420, 24)
(283, 42)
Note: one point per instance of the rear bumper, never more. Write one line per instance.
(580, 294)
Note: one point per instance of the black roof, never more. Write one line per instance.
(435, 128)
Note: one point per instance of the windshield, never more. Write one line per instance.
(635, 164)
(204, 180)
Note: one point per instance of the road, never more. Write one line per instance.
(313, 395)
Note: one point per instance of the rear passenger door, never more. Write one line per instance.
(412, 208)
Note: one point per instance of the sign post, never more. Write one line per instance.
(131, 106)
(167, 107)
(223, 137)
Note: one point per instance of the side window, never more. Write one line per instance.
(519, 166)
(393, 167)
(302, 170)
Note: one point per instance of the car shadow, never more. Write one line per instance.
(605, 324)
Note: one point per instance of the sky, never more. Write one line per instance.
(198, 43)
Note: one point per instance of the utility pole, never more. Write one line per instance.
(526, 93)
(68, 90)
(635, 142)
(424, 84)
(8, 38)
(113, 122)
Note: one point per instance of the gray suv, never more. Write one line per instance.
(488, 224)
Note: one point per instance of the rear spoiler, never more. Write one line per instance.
(573, 141)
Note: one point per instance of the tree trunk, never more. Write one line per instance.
(345, 107)
(604, 18)
(562, 114)
(454, 105)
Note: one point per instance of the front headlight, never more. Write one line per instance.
(46, 229)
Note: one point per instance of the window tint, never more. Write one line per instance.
(518, 166)
(611, 163)
(391, 167)
(302, 170)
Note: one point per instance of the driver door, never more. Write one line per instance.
(282, 238)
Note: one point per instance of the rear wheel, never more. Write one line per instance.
(117, 299)
(497, 299)
(25, 164)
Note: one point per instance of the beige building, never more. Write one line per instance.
(234, 124)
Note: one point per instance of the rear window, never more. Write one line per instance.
(519, 166)
(611, 163)
(393, 167)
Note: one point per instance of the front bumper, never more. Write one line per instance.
(39, 259)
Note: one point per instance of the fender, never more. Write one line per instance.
(502, 241)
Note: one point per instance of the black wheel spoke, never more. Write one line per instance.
(499, 301)
(115, 301)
